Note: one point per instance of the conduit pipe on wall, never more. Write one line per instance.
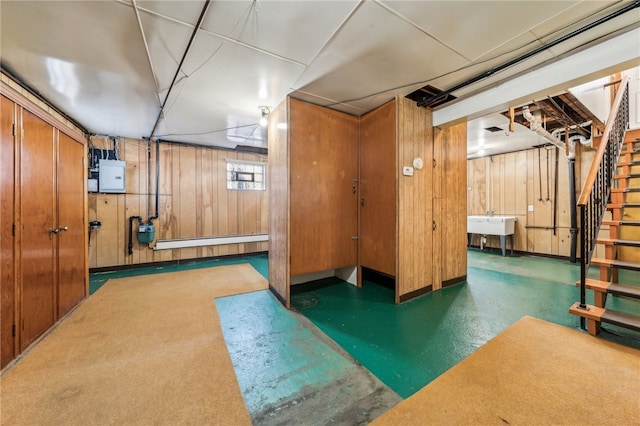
(570, 149)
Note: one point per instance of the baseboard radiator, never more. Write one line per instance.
(209, 241)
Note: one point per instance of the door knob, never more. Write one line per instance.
(52, 231)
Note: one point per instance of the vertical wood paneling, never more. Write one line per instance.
(323, 147)
(278, 184)
(519, 186)
(415, 201)
(193, 202)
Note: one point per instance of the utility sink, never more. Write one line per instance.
(491, 225)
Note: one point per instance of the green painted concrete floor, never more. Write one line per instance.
(405, 346)
(409, 345)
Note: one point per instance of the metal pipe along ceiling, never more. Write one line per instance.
(184, 56)
(426, 101)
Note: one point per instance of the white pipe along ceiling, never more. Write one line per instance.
(205, 72)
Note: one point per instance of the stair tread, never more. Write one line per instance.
(621, 319)
(618, 242)
(629, 163)
(612, 288)
(627, 176)
(620, 264)
(621, 222)
(622, 205)
(619, 190)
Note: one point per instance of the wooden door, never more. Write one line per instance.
(7, 220)
(70, 238)
(37, 188)
(378, 190)
(323, 199)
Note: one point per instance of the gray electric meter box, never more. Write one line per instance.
(112, 176)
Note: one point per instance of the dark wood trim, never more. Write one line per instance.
(454, 281)
(277, 295)
(37, 110)
(413, 294)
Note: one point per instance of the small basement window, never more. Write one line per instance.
(246, 175)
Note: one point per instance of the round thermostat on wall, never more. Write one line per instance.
(417, 163)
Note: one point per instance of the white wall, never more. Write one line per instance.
(634, 97)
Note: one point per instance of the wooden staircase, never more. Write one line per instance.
(624, 234)
(613, 185)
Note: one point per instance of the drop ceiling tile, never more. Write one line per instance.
(167, 41)
(375, 52)
(473, 28)
(104, 81)
(292, 29)
(234, 82)
(185, 11)
(581, 15)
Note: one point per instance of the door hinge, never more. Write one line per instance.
(13, 331)
(434, 162)
(14, 229)
(14, 130)
(355, 237)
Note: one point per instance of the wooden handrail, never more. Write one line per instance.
(595, 166)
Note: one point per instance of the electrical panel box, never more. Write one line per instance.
(113, 175)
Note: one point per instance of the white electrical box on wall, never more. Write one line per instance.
(112, 176)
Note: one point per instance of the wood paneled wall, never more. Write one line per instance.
(415, 200)
(194, 202)
(278, 185)
(514, 183)
(450, 205)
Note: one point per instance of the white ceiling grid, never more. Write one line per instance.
(89, 58)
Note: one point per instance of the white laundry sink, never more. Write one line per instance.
(491, 225)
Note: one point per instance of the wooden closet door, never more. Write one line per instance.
(7, 219)
(37, 186)
(71, 244)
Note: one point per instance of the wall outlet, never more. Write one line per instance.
(530, 208)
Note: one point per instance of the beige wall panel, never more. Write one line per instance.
(108, 247)
(507, 175)
(92, 205)
(520, 188)
(223, 198)
(278, 184)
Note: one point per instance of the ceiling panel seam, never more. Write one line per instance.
(146, 48)
(330, 39)
(419, 28)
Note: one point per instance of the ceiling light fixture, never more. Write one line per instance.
(265, 114)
